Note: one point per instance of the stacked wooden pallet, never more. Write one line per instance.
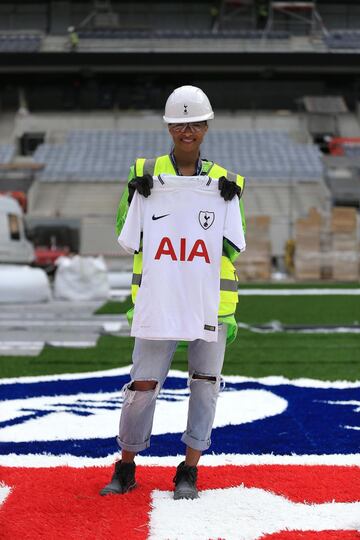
(327, 247)
(345, 252)
(307, 246)
(255, 262)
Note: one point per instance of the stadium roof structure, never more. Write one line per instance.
(325, 104)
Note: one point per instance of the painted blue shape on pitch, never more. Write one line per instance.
(315, 420)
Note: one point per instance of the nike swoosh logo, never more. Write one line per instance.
(159, 217)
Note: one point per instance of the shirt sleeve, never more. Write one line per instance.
(130, 236)
(233, 228)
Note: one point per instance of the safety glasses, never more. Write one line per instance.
(195, 127)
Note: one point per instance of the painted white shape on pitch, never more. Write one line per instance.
(246, 514)
(4, 492)
(63, 417)
(352, 403)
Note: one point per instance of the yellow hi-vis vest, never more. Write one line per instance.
(228, 276)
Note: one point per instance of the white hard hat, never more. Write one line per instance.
(187, 104)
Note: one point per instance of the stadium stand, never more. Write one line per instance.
(20, 42)
(98, 155)
(106, 155)
(181, 33)
(84, 176)
(343, 39)
(265, 155)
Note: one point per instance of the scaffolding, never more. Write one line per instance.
(297, 15)
(101, 16)
(235, 13)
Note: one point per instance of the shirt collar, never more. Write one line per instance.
(198, 165)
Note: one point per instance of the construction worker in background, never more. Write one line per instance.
(262, 13)
(214, 15)
(187, 113)
(73, 39)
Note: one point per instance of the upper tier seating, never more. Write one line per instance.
(20, 43)
(343, 39)
(180, 34)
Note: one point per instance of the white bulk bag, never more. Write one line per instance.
(23, 284)
(81, 278)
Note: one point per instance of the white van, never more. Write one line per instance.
(14, 247)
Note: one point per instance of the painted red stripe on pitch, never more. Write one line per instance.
(63, 502)
(313, 484)
(313, 535)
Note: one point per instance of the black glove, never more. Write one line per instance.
(142, 184)
(228, 189)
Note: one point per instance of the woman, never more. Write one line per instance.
(187, 113)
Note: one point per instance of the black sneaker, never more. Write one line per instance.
(185, 482)
(122, 481)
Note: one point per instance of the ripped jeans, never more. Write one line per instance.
(151, 362)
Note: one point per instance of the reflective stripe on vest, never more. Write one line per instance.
(228, 285)
(136, 279)
(228, 277)
(216, 171)
(145, 166)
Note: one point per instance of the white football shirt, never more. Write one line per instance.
(182, 225)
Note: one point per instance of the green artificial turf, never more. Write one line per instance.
(297, 310)
(327, 357)
(114, 307)
(321, 356)
(307, 310)
(316, 356)
(110, 352)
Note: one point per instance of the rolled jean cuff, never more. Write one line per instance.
(195, 443)
(133, 447)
